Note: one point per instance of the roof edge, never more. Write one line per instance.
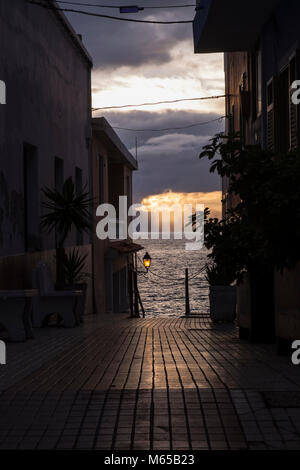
(69, 28)
(100, 124)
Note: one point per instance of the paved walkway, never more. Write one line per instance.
(119, 383)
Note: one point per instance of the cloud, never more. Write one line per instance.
(117, 43)
(168, 144)
(168, 198)
(139, 63)
(184, 75)
(169, 159)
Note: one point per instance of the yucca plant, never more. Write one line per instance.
(73, 266)
(65, 210)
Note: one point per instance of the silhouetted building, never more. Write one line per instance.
(45, 131)
(261, 42)
(113, 165)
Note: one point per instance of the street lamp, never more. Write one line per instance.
(147, 261)
(131, 9)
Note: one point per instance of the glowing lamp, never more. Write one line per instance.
(147, 260)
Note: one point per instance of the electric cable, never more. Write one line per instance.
(201, 98)
(109, 17)
(153, 7)
(203, 123)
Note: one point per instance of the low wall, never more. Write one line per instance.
(286, 300)
(244, 305)
(287, 304)
(16, 271)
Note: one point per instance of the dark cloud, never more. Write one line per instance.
(117, 44)
(169, 160)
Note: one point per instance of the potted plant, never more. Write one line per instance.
(222, 295)
(75, 276)
(263, 225)
(65, 210)
(222, 270)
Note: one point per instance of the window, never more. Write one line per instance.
(100, 179)
(293, 112)
(58, 180)
(31, 199)
(283, 111)
(78, 189)
(232, 120)
(128, 192)
(271, 131)
(58, 173)
(258, 83)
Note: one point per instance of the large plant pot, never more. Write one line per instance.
(255, 306)
(222, 303)
(81, 303)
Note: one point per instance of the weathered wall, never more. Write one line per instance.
(48, 106)
(287, 304)
(279, 40)
(114, 184)
(100, 157)
(237, 75)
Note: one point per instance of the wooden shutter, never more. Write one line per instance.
(271, 124)
(293, 109)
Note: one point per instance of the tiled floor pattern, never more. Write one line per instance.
(120, 383)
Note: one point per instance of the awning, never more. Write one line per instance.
(125, 247)
(230, 25)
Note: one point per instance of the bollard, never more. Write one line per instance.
(187, 296)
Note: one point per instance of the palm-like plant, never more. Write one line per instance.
(74, 264)
(66, 210)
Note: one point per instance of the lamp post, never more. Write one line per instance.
(135, 298)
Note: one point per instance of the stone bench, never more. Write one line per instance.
(15, 313)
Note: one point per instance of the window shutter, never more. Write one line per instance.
(293, 111)
(271, 124)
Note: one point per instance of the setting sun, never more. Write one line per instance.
(212, 200)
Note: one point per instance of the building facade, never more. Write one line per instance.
(261, 43)
(45, 131)
(113, 166)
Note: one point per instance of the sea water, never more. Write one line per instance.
(163, 289)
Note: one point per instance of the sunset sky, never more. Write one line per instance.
(140, 63)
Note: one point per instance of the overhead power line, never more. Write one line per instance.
(153, 7)
(109, 17)
(171, 128)
(216, 97)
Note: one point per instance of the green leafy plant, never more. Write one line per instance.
(262, 230)
(217, 275)
(65, 210)
(260, 233)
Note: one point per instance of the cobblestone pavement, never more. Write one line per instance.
(118, 383)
